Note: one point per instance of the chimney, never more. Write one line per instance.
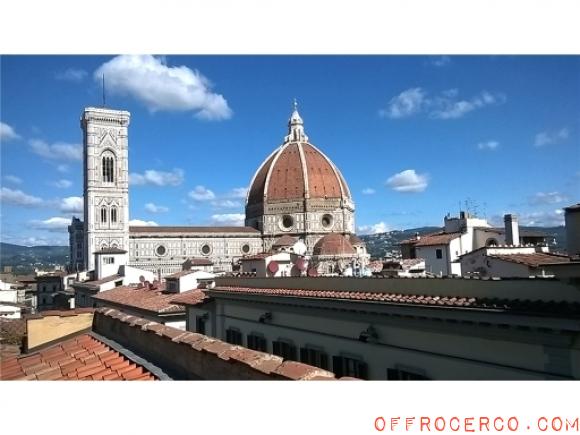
(512, 230)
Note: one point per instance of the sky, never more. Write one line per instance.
(416, 137)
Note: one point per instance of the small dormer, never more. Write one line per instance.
(108, 261)
(187, 280)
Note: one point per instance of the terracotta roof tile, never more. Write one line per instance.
(441, 238)
(333, 244)
(284, 172)
(190, 297)
(155, 300)
(65, 361)
(566, 309)
(533, 260)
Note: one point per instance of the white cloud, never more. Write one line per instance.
(201, 193)
(408, 181)
(377, 228)
(233, 219)
(56, 151)
(57, 224)
(489, 145)
(140, 223)
(152, 208)
(446, 105)
(62, 184)
(157, 178)
(238, 192)
(62, 168)
(405, 104)
(72, 204)
(543, 218)
(13, 179)
(18, 197)
(368, 191)
(7, 132)
(226, 203)
(160, 87)
(440, 61)
(71, 75)
(550, 138)
(542, 198)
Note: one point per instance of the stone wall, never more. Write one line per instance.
(191, 356)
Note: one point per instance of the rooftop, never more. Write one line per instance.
(123, 346)
(563, 309)
(436, 239)
(83, 357)
(155, 300)
(533, 260)
(196, 261)
(97, 282)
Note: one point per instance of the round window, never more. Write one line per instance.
(287, 221)
(246, 248)
(327, 220)
(205, 249)
(160, 250)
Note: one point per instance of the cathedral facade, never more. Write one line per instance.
(297, 191)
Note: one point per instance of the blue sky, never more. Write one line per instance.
(413, 135)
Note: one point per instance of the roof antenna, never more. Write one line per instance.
(104, 99)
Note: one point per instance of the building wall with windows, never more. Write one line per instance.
(381, 342)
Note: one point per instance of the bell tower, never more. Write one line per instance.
(106, 180)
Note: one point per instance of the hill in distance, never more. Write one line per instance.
(24, 259)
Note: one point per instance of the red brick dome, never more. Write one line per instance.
(333, 244)
(297, 170)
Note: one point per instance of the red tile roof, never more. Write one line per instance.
(333, 244)
(79, 358)
(436, 239)
(290, 170)
(540, 307)
(156, 300)
(191, 297)
(533, 260)
(191, 346)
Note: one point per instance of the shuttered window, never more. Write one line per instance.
(314, 357)
(344, 366)
(284, 349)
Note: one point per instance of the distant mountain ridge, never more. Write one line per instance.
(381, 244)
(24, 259)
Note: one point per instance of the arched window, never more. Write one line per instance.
(114, 215)
(104, 214)
(108, 164)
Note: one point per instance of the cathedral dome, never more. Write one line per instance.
(296, 170)
(333, 244)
